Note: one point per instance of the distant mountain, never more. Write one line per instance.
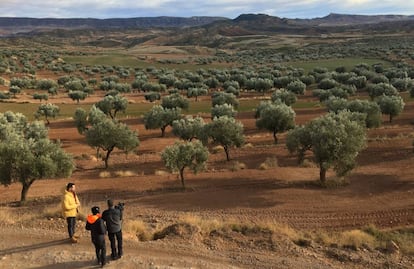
(334, 19)
(204, 31)
(17, 25)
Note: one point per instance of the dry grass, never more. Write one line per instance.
(105, 174)
(269, 163)
(205, 225)
(217, 149)
(137, 228)
(126, 173)
(9, 217)
(52, 211)
(236, 166)
(356, 239)
(161, 173)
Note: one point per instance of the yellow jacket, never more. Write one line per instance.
(70, 204)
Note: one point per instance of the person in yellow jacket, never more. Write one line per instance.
(70, 208)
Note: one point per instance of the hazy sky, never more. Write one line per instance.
(188, 8)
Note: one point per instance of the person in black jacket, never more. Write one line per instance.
(113, 220)
(96, 225)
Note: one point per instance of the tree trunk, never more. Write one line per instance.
(163, 131)
(322, 174)
(226, 150)
(390, 118)
(107, 156)
(182, 177)
(275, 137)
(25, 189)
(47, 121)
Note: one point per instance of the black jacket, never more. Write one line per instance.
(113, 219)
(96, 225)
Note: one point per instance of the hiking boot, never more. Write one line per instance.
(73, 240)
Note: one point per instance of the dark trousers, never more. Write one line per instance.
(100, 250)
(71, 225)
(116, 252)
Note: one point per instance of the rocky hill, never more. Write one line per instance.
(18, 25)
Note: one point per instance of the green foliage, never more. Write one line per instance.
(334, 139)
(175, 100)
(391, 105)
(221, 98)
(152, 96)
(185, 154)
(81, 120)
(46, 84)
(284, 96)
(297, 87)
(40, 96)
(223, 110)
(369, 108)
(27, 154)
(298, 141)
(75, 85)
(111, 105)
(14, 90)
(77, 95)
(104, 133)
(327, 83)
(159, 118)
(189, 128)
(47, 110)
(276, 118)
(196, 92)
(226, 132)
(376, 90)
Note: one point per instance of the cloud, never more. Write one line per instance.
(186, 8)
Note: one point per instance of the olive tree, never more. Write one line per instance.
(297, 87)
(376, 90)
(111, 105)
(225, 131)
(152, 96)
(223, 110)
(334, 139)
(27, 154)
(284, 96)
(47, 111)
(175, 101)
(15, 90)
(159, 118)
(369, 108)
(275, 117)
(221, 98)
(298, 141)
(40, 96)
(188, 128)
(391, 105)
(196, 92)
(77, 95)
(105, 133)
(185, 154)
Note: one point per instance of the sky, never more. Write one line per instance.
(188, 8)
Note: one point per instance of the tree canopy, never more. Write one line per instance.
(225, 131)
(185, 154)
(334, 139)
(105, 133)
(47, 110)
(275, 117)
(159, 118)
(27, 154)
